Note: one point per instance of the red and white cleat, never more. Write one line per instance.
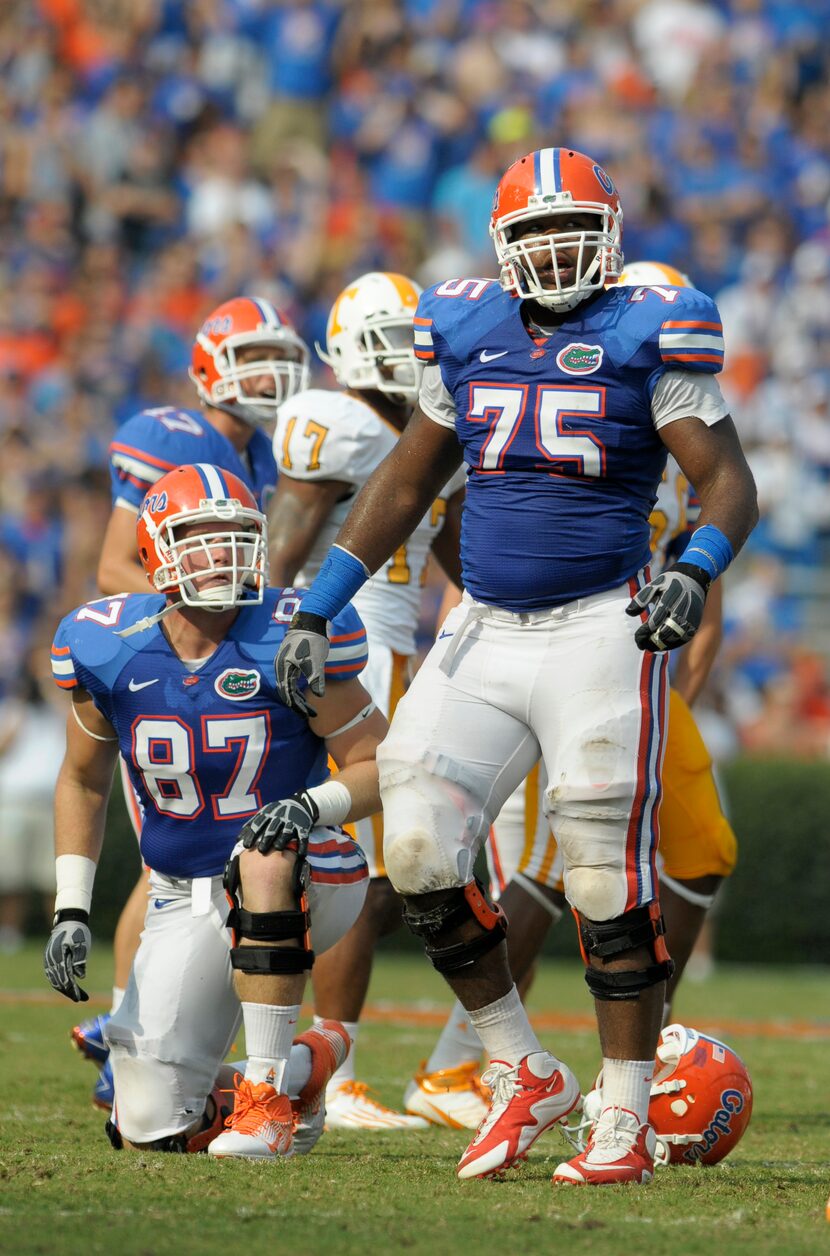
(620, 1149)
(328, 1043)
(528, 1098)
(260, 1127)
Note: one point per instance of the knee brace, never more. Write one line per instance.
(271, 926)
(439, 925)
(611, 939)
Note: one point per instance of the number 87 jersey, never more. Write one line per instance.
(560, 432)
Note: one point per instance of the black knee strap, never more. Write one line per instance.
(266, 926)
(437, 925)
(610, 939)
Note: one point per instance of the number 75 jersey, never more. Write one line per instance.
(560, 433)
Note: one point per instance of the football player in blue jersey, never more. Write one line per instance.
(247, 359)
(563, 395)
(176, 682)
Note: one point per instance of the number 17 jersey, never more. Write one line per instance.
(560, 432)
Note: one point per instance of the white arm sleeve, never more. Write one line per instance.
(435, 399)
(685, 395)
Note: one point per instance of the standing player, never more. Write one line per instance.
(176, 681)
(327, 444)
(563, 397)
(247, 359)
(697, 845)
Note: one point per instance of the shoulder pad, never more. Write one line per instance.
(329, 436)
(449, 305)
(87, 644)
(154, 442)
(691, 335)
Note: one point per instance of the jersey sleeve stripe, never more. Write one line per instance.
(63, 667)
(350, 668)
(686, 340)
(346, 653)
(61, 649)
(692, 323)
(422, 322)
(425, 355)
(141, 456)
(337, 878)
(360, 635)
(694, 357)
(66, 684)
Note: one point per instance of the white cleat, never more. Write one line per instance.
(350, 1106)
(261, 1126)
(454, 1097)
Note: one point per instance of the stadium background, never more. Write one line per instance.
(159, 156)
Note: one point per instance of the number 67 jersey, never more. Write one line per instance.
(206, 747)
(560, 431)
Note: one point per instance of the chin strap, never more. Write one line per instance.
(141, 625)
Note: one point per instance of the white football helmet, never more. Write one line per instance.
(370, 339)
(653, 275)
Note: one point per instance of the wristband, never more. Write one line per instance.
(710, 550)
(335, 584)
(333, 801)
(74, 877)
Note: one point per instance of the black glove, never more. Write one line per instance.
(282, 824)
(679, 596)
(64, 959)
(303, 652)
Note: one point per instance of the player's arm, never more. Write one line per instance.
(352, 729)
(119, 567)
(695, 660)
(296, 515)
(711, 458)
(447, 545)
(81, 795)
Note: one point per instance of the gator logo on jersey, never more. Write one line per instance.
(578, 359)
(237, 684)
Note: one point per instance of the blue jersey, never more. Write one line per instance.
(564, 459)
(205, 749)
(154, 442)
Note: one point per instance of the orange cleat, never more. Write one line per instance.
(259, 1128)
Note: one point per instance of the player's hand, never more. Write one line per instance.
(678, 597)
(282, 824)
(303, 652)
(64, 960)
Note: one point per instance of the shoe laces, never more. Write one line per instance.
(254, 1103)
(502, 1081)
(614, 1133)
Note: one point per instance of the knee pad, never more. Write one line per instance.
(433, 828)
(439, 926)
(592, 844)
(612, 939)
(272, 926)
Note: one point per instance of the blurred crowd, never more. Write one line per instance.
(159, 156)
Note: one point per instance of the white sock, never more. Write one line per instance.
(627, 1084)
(504, 1029)
(269, 1032)
(346, 1071)
(117, 997)
(298, 1070)
(458, 1044)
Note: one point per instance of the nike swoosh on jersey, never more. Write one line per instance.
(162, 902)
(485, 356)
(134, 686)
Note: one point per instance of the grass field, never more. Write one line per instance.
(63, 1191)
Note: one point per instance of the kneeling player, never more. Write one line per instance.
(179, 683)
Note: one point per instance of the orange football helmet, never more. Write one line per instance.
(248, 388)
(545, 185)
(222, 565)
(701, 1097)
